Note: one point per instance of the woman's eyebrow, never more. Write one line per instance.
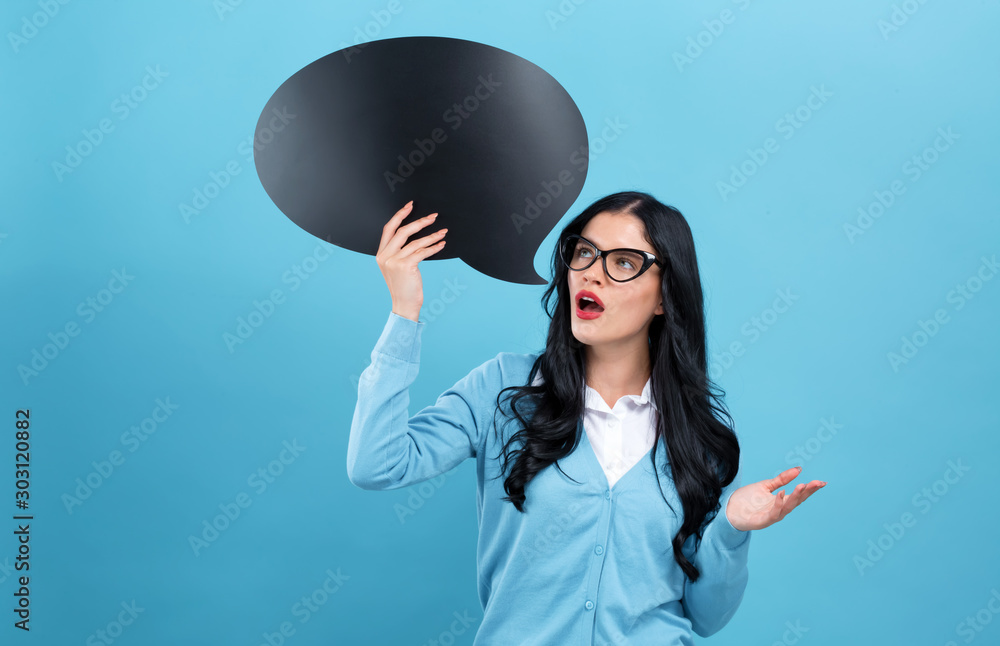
(617, 246)
(602, 246)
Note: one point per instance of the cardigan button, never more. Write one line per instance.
(599, 550)
(589, 605)
(607, 494)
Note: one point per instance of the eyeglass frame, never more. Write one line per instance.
(648, 258)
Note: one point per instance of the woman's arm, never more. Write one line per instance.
(751, 507)
(387, 449)
(712, 600)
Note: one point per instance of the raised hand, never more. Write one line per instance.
(398, 263)
(755, 507)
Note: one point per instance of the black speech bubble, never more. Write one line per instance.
(493, 143)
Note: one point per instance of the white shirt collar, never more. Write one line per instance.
(594, 401)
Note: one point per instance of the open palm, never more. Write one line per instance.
(755, 507)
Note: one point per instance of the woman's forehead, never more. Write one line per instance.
(612, 230)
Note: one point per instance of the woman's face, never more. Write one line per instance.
(629, 307)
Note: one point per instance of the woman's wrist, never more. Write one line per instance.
(408, 312)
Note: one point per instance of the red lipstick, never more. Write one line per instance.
(584, 308)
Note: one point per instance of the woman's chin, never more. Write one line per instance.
(581, 334)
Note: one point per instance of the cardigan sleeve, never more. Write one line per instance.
(386, 448)
(711, 601)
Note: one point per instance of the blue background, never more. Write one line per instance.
(687, 125)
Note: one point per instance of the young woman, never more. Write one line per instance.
(612, 515)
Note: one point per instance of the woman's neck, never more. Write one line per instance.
(614, 373)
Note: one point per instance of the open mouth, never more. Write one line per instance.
(587, 304)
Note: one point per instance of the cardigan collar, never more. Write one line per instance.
(594, 401)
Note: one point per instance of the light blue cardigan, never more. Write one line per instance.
(585, 564)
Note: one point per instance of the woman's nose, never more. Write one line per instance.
(595, 272)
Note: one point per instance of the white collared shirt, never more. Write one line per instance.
(620, 435)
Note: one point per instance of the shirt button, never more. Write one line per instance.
(589, 605)
(607, 494)
(599, 550)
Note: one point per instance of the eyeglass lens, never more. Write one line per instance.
(622, 265)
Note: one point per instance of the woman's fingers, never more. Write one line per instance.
(424, 246)
(799, 494)
(394, 236)
(432, 241)
(389, 228)
(768, 507)
(405, 231)
(782, 478)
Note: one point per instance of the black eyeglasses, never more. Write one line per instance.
(578, 253)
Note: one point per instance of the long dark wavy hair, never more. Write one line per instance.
(702, 450)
